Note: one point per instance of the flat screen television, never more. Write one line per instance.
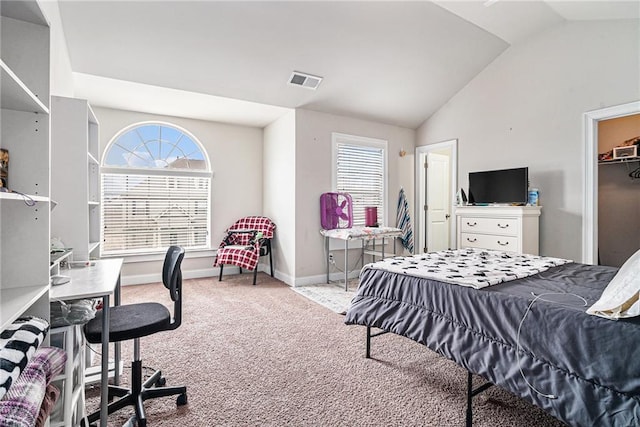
(505, 186)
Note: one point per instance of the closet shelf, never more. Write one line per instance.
(619, 161)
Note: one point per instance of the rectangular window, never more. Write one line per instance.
(148, 213)
(360, 169)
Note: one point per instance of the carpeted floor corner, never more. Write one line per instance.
(266, 356)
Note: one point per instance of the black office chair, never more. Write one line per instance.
(134, 321)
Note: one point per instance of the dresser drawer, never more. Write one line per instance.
(503, 226)
(485, 241)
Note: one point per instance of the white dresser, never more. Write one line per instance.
(507, 228)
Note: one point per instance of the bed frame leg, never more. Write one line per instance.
(369, 336)
(472, 392)
(469, 397)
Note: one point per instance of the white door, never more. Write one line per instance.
(438, 204)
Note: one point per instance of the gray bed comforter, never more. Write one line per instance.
(589, 364)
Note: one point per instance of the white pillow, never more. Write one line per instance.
(620, 298)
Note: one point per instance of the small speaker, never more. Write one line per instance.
(462, 197)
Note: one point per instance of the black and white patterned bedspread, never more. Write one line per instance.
(476, 268)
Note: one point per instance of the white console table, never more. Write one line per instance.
(366, 234)
(506, 228)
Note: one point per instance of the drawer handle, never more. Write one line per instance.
(472, 225)
(503, 244)
(503, 226)
(473, 240)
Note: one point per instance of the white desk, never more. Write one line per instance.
(366, 234)
(98, 280)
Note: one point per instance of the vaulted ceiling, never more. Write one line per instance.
(394, 62)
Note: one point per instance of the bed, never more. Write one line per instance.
(530, 335)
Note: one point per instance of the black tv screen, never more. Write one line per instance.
(506, 186)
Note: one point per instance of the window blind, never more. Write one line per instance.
(360, 172)
(148, 213)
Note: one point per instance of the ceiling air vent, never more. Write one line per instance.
(305, 80)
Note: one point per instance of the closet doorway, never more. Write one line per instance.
(618, 190)
(597, 122)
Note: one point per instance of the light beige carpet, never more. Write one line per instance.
(267, 356)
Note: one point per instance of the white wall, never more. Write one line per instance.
(313, 177)
(235, 153)
(279, 185)
(525, 109)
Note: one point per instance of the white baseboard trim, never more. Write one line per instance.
(322, 278)
(141, 279)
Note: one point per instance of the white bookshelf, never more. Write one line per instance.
(75, 174)
(24, 131)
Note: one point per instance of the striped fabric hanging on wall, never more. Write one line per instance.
(403, 220)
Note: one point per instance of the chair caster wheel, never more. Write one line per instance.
(161, 382)
(182, 399)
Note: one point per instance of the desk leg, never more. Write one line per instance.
(383, 247)
(371, 242)
(326, 250)
(116, 363)
(346, 264)
(104, 374)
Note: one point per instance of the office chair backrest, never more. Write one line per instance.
(172, 279)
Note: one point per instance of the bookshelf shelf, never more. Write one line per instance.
(16, 95)
(22, 197)
(20, 300)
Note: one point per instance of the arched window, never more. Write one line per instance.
(155, 190)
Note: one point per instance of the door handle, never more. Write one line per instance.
(447, 216)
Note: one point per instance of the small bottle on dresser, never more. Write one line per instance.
(534, 196)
